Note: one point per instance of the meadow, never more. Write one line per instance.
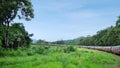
(57, 57)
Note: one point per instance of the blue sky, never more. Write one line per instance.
(69, 19)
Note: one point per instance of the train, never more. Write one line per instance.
(110, 49)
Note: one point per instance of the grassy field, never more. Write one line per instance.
(59, 57)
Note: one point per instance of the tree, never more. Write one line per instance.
(39, 42)
(118, 21)
(9, 10)
(19, 36)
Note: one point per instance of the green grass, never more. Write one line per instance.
(57, 57)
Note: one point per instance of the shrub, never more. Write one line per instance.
(69, 49)
(41, 49)
(30, 52)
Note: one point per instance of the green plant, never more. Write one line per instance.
(69, 49)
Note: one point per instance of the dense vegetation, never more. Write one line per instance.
(14, 35)
(18, 36)
(57, 57)
(107, 37)
(33, 50)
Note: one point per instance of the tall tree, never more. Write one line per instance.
(10, 9)
(118, 21)
(19, 37)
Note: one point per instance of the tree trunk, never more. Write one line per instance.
(6, 42)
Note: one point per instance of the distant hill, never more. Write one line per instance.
(65, 41)
(76, 39)
(79, 38)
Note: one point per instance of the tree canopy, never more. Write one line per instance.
(9, 10)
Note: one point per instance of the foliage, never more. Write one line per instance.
(10, 9)
(41, 42)
(18, 36)
(69, 49)
(44, 50)
(118, 21)
(58, 42)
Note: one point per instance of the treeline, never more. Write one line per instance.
(18, 36)
(43, 42)
(107, 37)
(13, 35)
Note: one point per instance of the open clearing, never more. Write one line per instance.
(81, 58)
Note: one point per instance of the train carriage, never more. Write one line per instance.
(110, 49)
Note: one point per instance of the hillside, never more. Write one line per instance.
(71, 40)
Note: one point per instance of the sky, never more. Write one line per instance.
(69, 19)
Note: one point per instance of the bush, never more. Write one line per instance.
(11, 52)
(1, 52)
(69, 49)
(22, 51)
(42, 50)
(30, 52)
